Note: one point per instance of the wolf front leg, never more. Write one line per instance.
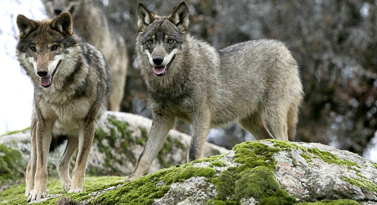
(31, 167)
(201, 125)
(43, 142)
(85, 143)
(159, 130)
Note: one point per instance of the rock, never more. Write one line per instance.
(261, 172)
(120, 138)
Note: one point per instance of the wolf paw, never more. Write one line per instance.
(33, 196)
(66, 186)
(73, 190)
(130, 179)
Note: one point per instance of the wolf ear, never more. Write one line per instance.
(180, 17)
(144, 17)
(25, 25)
(63, 23)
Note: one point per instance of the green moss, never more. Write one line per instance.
(15, 194)
(374, 164)
(144, 190)
(333, 159)
(331, 202)
(215, 152)
(217, 164)
(15, 132)
(253, 178)
(287, 146)
(11, 167)
(306, 157)
(361, 183)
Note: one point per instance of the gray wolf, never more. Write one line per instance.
(251, 83)
(71, 86)
(92, 24)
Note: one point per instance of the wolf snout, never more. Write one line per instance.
(158, 60)
(57, 11)
(42, 73)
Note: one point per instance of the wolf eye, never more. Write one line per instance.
(171, 41)
(150, 41)
(33, 48)
(54, 47)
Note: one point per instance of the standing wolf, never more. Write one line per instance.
(71, 86)
(250, 83)
(92, 24)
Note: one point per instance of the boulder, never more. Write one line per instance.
(259, 172)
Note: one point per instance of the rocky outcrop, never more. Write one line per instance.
(262, 172)
(120, 138)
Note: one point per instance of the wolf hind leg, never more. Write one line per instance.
(292, 119)
(277, 117)
(63, 167)
(255, 124)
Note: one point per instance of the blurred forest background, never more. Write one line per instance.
(334, 42)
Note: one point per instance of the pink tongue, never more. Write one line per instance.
(159, 70)
(46, 81)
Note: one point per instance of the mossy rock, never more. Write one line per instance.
(263, 172)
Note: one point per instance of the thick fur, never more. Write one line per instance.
(92, 24)
(250, 83)
(68, 104)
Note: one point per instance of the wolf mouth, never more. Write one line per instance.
(162, 70)
(47, 81)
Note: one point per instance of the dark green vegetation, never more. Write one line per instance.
(11, 169)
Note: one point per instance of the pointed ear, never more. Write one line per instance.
(25, 25)
(63, 23)
(144, 17)
(180, 17)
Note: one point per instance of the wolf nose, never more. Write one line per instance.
(158, 60)
(57, 11)
(42, 73)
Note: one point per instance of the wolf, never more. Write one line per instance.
(71, 86)
(251, 83)
(92, 24)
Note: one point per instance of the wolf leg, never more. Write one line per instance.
(31, 167)
(43, 142)
(256, 126)
(85, 143)
(292, 120)
(277, 117)
(159, 130)
(201, 125)
(63, 167)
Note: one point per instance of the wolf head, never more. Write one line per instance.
(56, 7)
(162, 37)
(43, 45)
